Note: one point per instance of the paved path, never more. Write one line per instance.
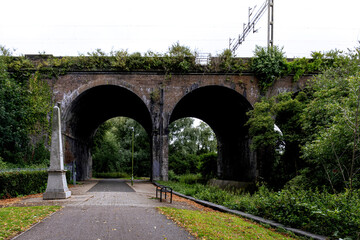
(117, 212)
(111, 185)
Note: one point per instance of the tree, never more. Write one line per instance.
(320, 126)
(25, 103)
(13, 128)
(285, 111)
(187, 143)
(112, 147)
(334, 142)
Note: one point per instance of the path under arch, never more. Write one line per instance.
(94, 212)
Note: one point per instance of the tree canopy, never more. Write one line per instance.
(320, 126)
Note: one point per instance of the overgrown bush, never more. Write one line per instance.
(268, 65)
(208, 165)
(190, 178)
(40, 154)
(228, 63)
(172, 176)
(332, 215)
(111, 175)
(13, 184)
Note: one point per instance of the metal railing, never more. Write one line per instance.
(28, 169)
(202, 58)
(164, 189)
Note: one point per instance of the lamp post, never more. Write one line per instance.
(132, 158)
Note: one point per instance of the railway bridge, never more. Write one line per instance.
(155, 100)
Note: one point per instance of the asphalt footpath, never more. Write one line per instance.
(106, 209)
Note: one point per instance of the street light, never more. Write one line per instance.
(132, 158)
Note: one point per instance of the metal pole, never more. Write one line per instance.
(270, 23)
(74, 172)
(132, 158)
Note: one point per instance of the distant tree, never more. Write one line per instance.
(187, 143)
(112, 147)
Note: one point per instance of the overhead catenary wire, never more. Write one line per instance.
(252, 21)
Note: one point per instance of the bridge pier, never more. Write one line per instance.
(160, 138)
(236, 162)
(159, 150)
(79, 152)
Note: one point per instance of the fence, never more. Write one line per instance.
(69, 168)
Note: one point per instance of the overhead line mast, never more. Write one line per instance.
(250, 26)
(270, 23)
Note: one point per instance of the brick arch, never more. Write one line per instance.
(67, 100)
(93, 105)
(224, 110)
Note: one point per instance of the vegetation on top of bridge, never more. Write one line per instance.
(267, 64)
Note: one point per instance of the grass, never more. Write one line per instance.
(14, 220)
(218, 225)
(319, 212)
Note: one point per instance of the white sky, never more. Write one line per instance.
(72, 27)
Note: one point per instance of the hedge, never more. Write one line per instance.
(320, 212)
(13, 184)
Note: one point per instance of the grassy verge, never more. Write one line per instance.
(319, 212)
(217, 225)
(14, 220)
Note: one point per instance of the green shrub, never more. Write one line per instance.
(111, 175)
(13, 184)
(332, 215)
(190, 178)
(208, 165)
(183, 163)
(268, 65)
(172, 176)
(40, 154)
(319, 212)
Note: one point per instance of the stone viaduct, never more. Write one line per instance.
(155, 100)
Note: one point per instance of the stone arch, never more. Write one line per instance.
(93, 105)
(224, 110)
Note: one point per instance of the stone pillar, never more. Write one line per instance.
(159, 157)
(159, 138)
(56, 186)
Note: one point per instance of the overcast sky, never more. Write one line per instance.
(72, 27)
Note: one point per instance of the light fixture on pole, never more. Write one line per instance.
(132, 158)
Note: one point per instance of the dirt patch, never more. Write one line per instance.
(188, 204)
(11, 201)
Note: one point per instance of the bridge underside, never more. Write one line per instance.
(88, 111)
(224, 110)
